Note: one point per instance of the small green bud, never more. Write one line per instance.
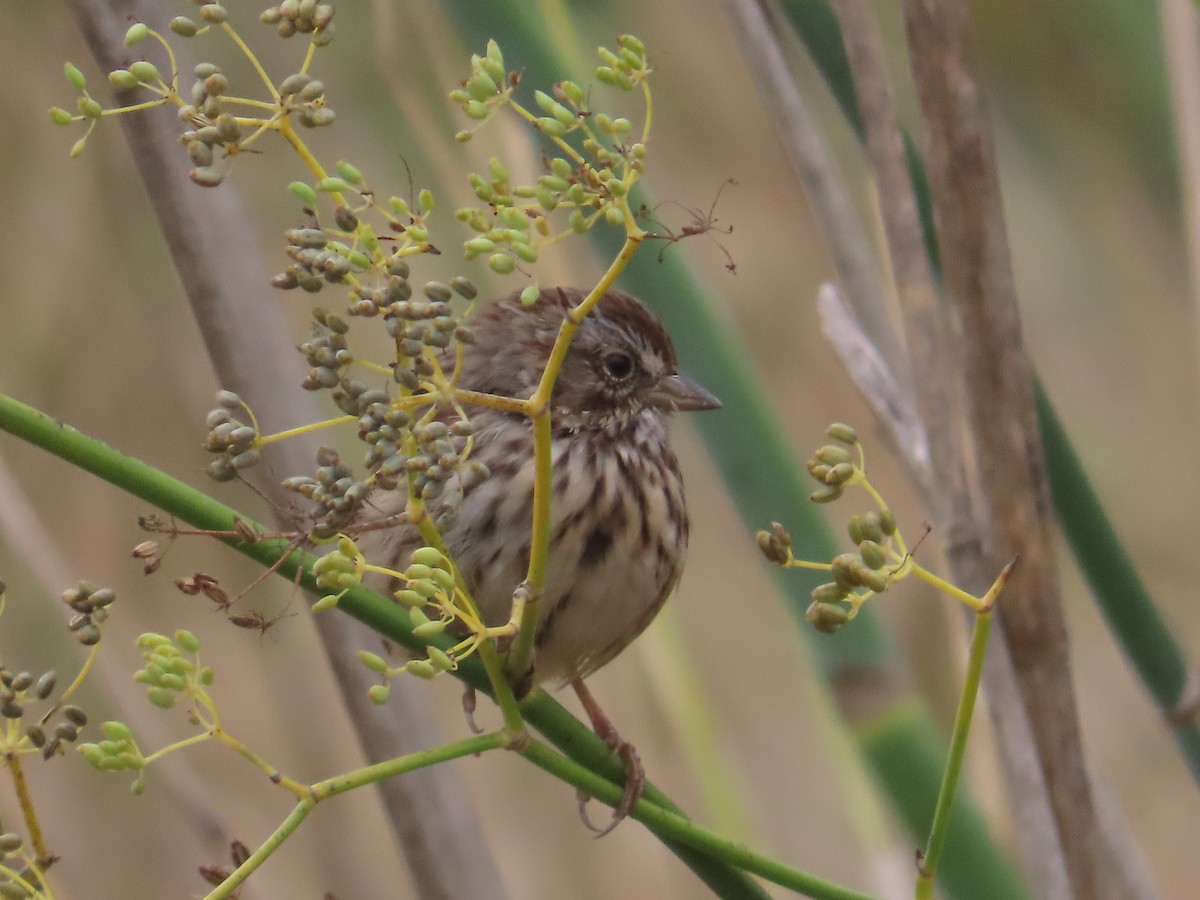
(550, 126)
(90, 107)
(854, 528)
(122, 79)
(771, 548)
(372, 661)
(378, 694)
(572, 91)
(425, 200)
(873, 555)
(187, 641)
(60, 116)
(530, 294)
(207, 676)
(844, 433)
(144, 71)
(579, 222)
(876, 581)
(501, 263)
(136, 34)
(75, 77)
(887, 521)
(525, 252)
(329, 601)
(631, 42)
(481, 87)
(161, 698)
(303, 191)
(833, 456)
(827, 617)
(183, 26)
(349, 173)
(331, 185)
(409, 597)
(614, 217)
(116, 731)
(439, 659)
(430, 629)
(872, 528)
(840, 474)
(428, 556)
(421, 668)
(830, 592)
(138, 787)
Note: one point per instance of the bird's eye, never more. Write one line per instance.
(618, 365)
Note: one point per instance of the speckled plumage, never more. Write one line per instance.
(619, 521)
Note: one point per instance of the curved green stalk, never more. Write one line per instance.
(192, 506)
(688, 832)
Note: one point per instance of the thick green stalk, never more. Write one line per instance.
(683, 830)
(194, 507)
(927, 866)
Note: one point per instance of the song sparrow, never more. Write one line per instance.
(619, 523)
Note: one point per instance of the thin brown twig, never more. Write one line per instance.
(978, 279)
(935, 366)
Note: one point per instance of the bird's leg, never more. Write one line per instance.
(635, 775)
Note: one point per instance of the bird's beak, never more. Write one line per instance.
(678, 393)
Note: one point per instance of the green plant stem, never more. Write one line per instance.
(340, 784)
(539, 709)
(928, 863)
(687, 832)
(520, 657)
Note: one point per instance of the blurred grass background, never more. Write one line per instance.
(96, 332)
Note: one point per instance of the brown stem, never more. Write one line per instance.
(979, 284)
(28, 812)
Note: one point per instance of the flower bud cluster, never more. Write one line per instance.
(301, 17)
(90, 605)
(429, 585)
(338, 570)
(18, 874)
(234, 441)
(334, 490)
(20, 690)
(626, 68)
(834, 467)
(167, 672)
(857, 575)
(487, 88)
(118, 752)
